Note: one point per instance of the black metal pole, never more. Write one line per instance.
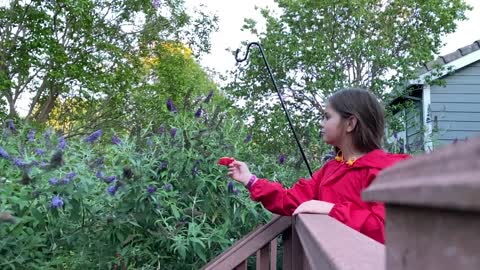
(279, 96)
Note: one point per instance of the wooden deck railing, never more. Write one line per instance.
(432, 223)
(308, 242)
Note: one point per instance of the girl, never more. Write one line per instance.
(354, 125)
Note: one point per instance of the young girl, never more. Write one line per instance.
(354, 125)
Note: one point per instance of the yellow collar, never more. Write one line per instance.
(339, 158)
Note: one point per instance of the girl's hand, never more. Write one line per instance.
(239, 171)
(314, 207)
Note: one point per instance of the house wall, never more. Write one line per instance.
(455, 107)
(414, 123)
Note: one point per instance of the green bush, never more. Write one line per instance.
(121, 201)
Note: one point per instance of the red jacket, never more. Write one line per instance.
(336, 182)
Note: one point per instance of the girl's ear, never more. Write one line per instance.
(351, 123)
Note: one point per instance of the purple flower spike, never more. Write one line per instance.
(161, 129)
(39, 152)
(149, 142)
(209, 97)
(230, 186)
(110, 179)
(47, 134)
(3, 154)
(163, 165)
(94, 136)
(62, 143)
(328, 156)
(156, 4)
(57, 202)
(99, 174)
(112, 189)
(71, 175)
(31, 135)
(116, 140)
(151, 189)
(11, 125)
(198, 114)
(248, 138)
(53, 181)
(20, 163)
(171, 106)
(167, 187)
(281, 159)
(173, 132)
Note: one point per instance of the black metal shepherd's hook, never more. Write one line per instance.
(279, 95)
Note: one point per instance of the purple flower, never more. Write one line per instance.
(65, 181)
(167, 187)
(195, 170)
(98, 162)
(47, 134)
(248, 138)
(53, 181)
(57, 202)
(161, 129)
(94, 136)
(236, 191)
(110, 179)
(20, 163)
(205, 116)
(170, 106)
(39, 152)
(62, 143)
(42, 164)
(281, 159)
(11, 125)
(31, 135)
(198, 113)
(112, 189)
(163, 165)
(328, 156)
(71, 175)
(156, 3)
(209, 97)
(395, 135)
(149, 142)
(151, 189)
(116, 140)
(3, 153)
(99, 174)
(173, 132)
(230, 186)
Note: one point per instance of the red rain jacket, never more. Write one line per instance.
(339, 183)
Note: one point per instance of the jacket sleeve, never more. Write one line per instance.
(282, 201)
(365, 217)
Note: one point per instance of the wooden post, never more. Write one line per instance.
(432, 209)
(263, 258)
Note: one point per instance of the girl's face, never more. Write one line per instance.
(333, 131)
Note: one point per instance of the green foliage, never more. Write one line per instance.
(318, 47)
(189, 212)
(87, 48)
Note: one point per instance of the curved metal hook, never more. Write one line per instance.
(248, 51)
(279, 95)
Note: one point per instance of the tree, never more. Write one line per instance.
(59, 49)
(318, 47)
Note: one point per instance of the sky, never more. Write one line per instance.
(232, 13)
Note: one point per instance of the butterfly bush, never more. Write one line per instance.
(88, 200)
